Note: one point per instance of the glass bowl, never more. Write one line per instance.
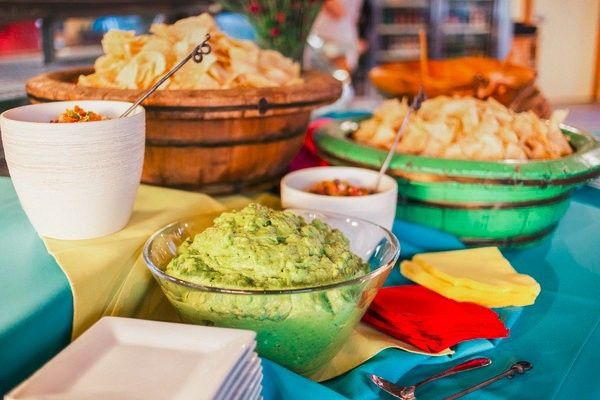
(300, 329)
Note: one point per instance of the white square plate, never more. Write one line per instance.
(121, 358)
(250, 376)
(239, 377)
(247, 392)
(232, 379)
(256, 393)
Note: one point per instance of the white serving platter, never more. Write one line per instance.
(252, 377)
(234, 377)
(244, 377)
(121, 358)
(251, 391)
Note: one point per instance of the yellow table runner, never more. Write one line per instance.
(108, 276)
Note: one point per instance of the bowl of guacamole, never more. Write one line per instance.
(301, 279)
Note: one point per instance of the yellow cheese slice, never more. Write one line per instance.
(481, 276)
(484, 268)
(487, 298)
(506, 287)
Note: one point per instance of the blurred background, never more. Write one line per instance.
(558, 39)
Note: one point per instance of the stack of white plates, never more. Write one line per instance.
(121, 358)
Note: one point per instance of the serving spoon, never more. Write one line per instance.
(197, 54)
(414, 106)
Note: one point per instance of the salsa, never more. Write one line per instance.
(78, 114)
(338, 187)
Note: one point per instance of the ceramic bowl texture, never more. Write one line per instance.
(75, 180)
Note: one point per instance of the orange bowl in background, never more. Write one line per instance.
(477, 76)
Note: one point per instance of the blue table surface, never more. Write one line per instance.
(560, 334)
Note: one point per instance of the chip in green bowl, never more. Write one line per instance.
(503, 203)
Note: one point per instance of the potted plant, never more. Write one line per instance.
(281, 25)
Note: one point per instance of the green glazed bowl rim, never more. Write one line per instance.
(333, 144)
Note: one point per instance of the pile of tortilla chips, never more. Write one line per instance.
(466, 128)
(137, 62)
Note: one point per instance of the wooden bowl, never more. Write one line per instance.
(501, 203)
(216, 141)
(476, 76)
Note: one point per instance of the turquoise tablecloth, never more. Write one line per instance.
(36, 307)
(560, 334)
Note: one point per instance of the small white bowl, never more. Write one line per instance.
(379, 207)
(75, 180)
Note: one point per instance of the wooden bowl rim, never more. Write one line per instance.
(319, 88)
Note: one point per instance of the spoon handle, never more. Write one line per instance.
(390, 154)
(465, 366)
(415, 105)
(199, 51)
(519, 367)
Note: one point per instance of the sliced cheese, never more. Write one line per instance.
(483, 267)
(482, 276)
(487, 298)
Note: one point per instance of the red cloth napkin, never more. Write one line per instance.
(308, 156)
(429, 321)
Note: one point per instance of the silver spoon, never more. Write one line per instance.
(408, 392)
(197, 54)
(414, 106)
(520, 367)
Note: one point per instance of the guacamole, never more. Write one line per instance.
(260, 248)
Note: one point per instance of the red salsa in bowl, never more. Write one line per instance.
(338, 187)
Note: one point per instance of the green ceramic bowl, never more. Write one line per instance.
(503, 203)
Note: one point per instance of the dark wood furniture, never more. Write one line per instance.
(52, 11)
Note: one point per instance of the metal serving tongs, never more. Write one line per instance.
(414, 106)
(408, 392)
(520, 367)
(197, 54)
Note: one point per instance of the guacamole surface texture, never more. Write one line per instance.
(260, 248)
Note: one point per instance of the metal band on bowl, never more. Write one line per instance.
(486, 206)
(265, 138)
(512, 241)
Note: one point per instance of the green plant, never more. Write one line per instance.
(281, 25)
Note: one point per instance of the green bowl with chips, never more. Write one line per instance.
(502, 203)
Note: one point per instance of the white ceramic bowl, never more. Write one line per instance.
(77, 180)
(379, 207)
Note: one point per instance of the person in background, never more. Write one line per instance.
(360, 76)
(337, 26)
(365, 27)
